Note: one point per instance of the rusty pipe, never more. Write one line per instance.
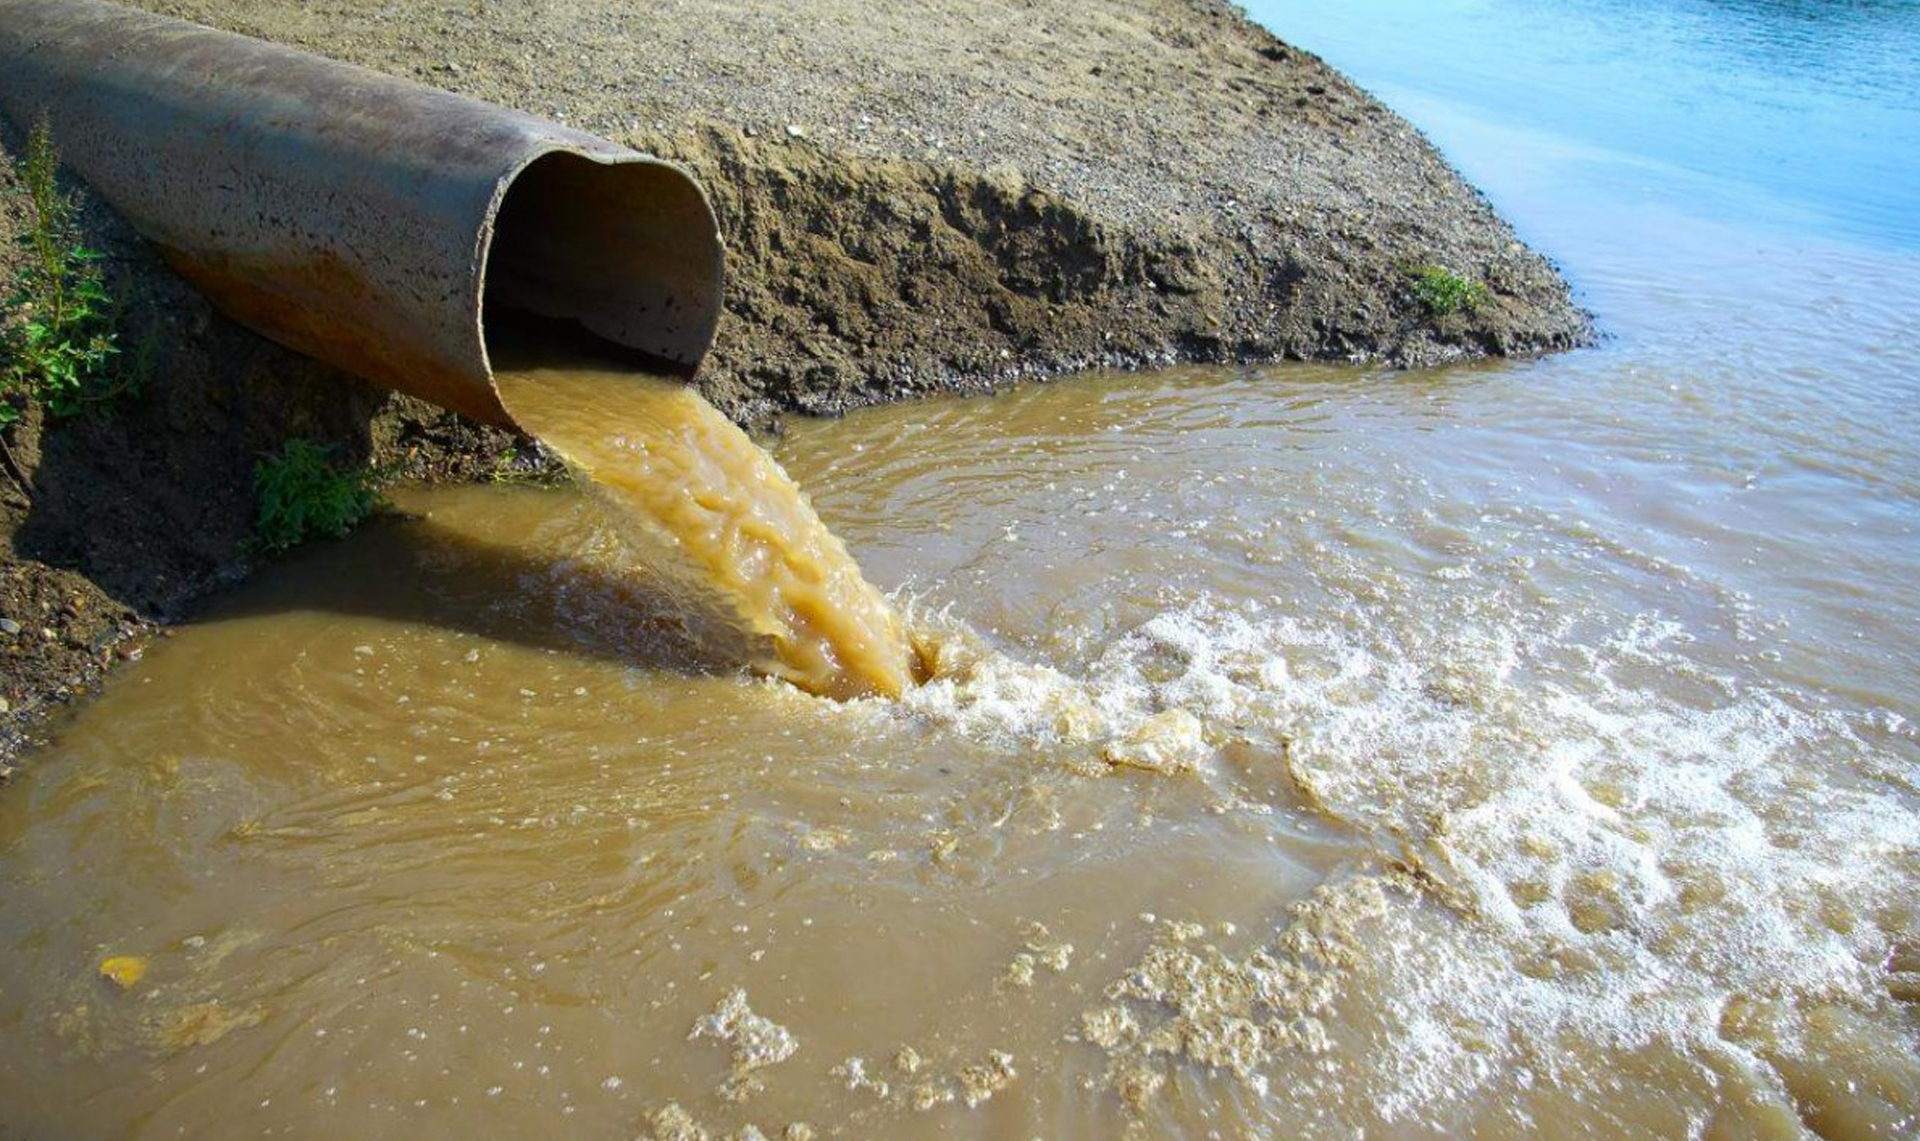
(365, 220)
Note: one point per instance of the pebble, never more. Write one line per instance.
(9, 627)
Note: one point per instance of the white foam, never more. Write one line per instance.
(1682, 838)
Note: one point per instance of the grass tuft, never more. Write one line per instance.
(302, 496)
(57, 335)
(1441, 291)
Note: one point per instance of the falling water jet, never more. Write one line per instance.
(752, 570)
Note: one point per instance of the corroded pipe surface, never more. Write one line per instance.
(365, 220)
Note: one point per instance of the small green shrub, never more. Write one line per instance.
(302, 495)
(57, 337)
(1441, 291)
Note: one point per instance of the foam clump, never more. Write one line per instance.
(991, 696)
(1171, 741)
(1043, 951)
(1193, 1001)
(756, 1042)
(672, 1123)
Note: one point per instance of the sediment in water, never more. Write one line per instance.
(949, 209)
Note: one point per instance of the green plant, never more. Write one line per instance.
(1441, 291)
(302, 495)
(514, 467)
(57, 340)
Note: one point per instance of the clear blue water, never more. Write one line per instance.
(1799, 115)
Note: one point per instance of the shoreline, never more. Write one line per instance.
(916, 200)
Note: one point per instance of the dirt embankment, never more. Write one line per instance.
(917, 197)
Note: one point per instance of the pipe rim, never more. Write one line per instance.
(708, 304)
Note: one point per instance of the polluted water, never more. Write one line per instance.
(1345, 788)
(1503, 751)
(717, 526)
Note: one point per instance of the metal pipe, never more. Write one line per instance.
(365, 220)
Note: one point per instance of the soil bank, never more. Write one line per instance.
(916, 197)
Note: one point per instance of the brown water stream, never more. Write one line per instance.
(1304, 758)
(754, 573)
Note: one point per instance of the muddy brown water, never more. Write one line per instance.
(752, 572)
(1295, 761)
(1520, 750)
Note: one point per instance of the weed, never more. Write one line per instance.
(58, 347)
(302, 495)
(524, 468)
(1441, 291)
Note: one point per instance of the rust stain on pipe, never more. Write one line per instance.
(365, 220)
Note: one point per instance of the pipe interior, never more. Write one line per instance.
(620, 255)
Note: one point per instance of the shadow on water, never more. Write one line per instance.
(423, 570)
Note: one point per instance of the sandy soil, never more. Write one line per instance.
(917, 197)
(922, 195)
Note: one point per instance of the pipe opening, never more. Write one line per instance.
(609, 256)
